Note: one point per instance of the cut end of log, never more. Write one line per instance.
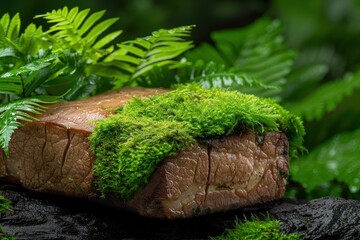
(224, 174)
(53, 155)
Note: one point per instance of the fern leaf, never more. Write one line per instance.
(107, 39)
(90, 21)
(214, 75)
(10, 85)
(258, 51)
(10, 27)
(69, 29)
(9, 31)
(209, 75)
(99, 29)
(14, 27)
(33, 66)
(30, 42)
(136, 57)
(325, 98)
(337, 159)
(80, 17)
(13, 114)
(4, 24)
(304, 79)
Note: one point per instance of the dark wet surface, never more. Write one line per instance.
(321, 219)
(39, 216)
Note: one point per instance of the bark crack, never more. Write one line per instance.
(65, 152)
(39, 169)
(209, 148)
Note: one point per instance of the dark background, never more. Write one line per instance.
(141, 17)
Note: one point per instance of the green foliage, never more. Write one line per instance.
(257, 50)
(80, 31)
(72, 59)
(5, 236)
(256, 229)
(336, 159)
(16, 45)
(134, 58)
(323, 88)
(129, 145)
(13, 114)
(325, 98)
(209, 75)
(5, 205)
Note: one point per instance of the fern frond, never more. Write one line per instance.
(9, 31)
(33, 66)
(258, 51)
(26, 78)
(30, 42)
(79, 31)
(325, 98)
(304, 79)
(13, 114)
(15, 47)
(134, 58)
(10, 27)
(213, 75)
(336, 159)
(209, 75)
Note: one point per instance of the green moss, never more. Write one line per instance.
(256, 229)
(130, 144)
(5, 205)
(5, 236)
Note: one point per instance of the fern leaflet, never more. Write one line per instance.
(13, 114)
(16, 45)
(79, 31)
(136, 57)
(258, 51)
(9, 27)
(325, 98)
(209, 75)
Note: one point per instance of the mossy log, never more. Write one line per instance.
(212, 173)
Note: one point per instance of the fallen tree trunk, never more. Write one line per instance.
(53, 155)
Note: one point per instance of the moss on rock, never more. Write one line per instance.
(130, 144)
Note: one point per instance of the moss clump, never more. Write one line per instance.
(5, 236)
(130, 144)
(5, 205)
(256, 229)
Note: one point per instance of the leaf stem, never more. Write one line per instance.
(22, 86)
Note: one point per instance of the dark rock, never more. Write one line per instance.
(323, 218)
(39, 216)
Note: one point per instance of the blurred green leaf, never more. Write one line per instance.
(257, 50)
(336, 159)
(325, 98)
